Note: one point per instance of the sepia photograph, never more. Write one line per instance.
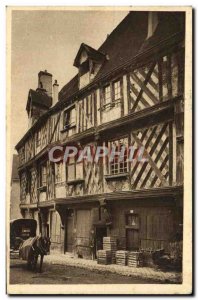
(99, 108)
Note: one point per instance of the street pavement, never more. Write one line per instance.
(63, 274)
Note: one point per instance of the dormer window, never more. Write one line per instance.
(84, 68)
(88, 61)
(69, 118)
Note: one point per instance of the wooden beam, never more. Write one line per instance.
(146, 145)
(160, 80)
(157, 171)
(169, 76)
(151, 151)
(128, 92)
(145, 89)
(146, 104)
(143, 85)
(55, 127)
(155, 161)
(170, 154)
(161, 168)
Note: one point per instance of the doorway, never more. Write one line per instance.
(132, 232)
(100, 232)
(69, 231)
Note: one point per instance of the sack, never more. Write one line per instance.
(26, 247)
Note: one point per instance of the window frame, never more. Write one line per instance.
(38, 139)
(120, 88)
(28, 182)
(61, 176)
(67, 125)
(74, 163)
(41, 166)
(112, 93)
(125, 169)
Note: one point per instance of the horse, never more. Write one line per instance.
(32, 248)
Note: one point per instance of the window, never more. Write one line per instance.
(112, 92)
(59, 172)
(69, 118)
(107, 94)
(117, 90)
(132, 220)
(28, 182)
(74, 170)
(84, 68)
(38, 139)
(118, 165)
(43, 175)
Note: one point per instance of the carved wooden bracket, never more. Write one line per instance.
(62, 213)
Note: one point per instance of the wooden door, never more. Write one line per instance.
(83, 224)
(83, 233)
(69, 232)
(132, 232)
(132, 238)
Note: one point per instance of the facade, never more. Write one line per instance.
(15, 211)
(128, 92)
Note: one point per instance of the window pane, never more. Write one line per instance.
(73, 116)
(66, 118)
(107, 94)
(43, 175)
(119, 162)
(117, 92)
(58, 172)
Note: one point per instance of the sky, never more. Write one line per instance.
(49, 40)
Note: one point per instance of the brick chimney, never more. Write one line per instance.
(55, 91)
(45, 82)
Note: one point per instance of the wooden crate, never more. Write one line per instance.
(110, 243)
(135, 259)
(121, 257)
(104, 257)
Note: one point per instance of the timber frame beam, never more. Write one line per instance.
(163, 111)
(170, 192)
(139, 60)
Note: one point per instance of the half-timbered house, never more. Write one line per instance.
(130, 91)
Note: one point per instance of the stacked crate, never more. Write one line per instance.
(104, 257)
(121, 257)
(135, 259)
(110, 243)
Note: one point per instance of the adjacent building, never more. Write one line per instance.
(130, 91)
(15, 211)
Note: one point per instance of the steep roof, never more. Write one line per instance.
(39, 98)
(15, 165)
(127, 40)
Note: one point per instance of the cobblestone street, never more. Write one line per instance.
(59, 269)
